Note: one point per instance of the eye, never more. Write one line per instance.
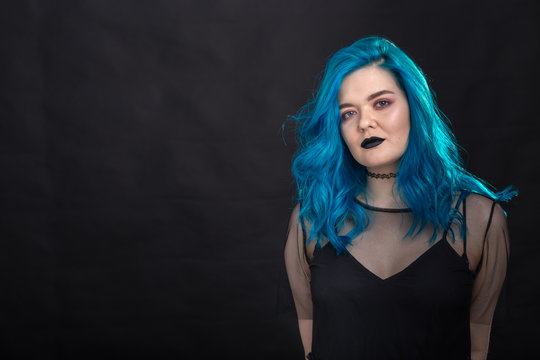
(347, 114)
(382, 103)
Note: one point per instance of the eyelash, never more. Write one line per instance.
(380, 101)
(352, 112)
(344, 115)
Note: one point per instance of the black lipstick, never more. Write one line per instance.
(371, 142)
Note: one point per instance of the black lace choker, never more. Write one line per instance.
(381, 176)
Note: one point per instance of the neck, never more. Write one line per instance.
(382, 192)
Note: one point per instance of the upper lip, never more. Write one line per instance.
(370, 139)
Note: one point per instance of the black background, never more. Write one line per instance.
(145, 182)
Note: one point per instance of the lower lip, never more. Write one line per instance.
(373, 144)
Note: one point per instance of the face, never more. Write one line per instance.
(372, 106)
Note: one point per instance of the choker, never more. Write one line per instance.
(381, 176)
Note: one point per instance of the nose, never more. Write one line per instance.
(366, 121)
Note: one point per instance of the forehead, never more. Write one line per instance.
(366, 81)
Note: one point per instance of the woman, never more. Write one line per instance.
(394, 251)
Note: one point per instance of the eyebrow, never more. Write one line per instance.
(370, 97)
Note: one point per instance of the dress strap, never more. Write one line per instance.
(462, 197)
(485, 234)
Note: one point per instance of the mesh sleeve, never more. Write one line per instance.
(491, 270)
(490, 273)
(297, 267)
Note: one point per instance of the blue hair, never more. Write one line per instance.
(328, 178)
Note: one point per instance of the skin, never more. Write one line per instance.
(372, 104)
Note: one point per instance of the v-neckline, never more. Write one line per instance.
(404, 270)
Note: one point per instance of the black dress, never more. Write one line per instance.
(419, 298)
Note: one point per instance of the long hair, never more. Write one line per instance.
(328, 178)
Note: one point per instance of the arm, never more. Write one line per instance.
(299, 279)
(491, 272)
(306, 330)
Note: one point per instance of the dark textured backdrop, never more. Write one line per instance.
(144, 181)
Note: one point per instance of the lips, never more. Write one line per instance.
(371, 142)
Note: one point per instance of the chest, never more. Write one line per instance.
(437, 277)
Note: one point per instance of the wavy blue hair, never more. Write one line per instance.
(328, 178)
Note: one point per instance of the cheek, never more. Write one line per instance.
(402, 125)
(407, 129)
(405, 137)
(346, 136)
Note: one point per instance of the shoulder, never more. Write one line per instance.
(484, 217)
(482, 210)
(295, 211)
(303, 228)
(294, 218)
(295, 221)
(295, 215)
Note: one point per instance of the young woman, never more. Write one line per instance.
(394, 250)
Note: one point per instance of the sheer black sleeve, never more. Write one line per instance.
(491, 269)
(486, 221)
(297, 266)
